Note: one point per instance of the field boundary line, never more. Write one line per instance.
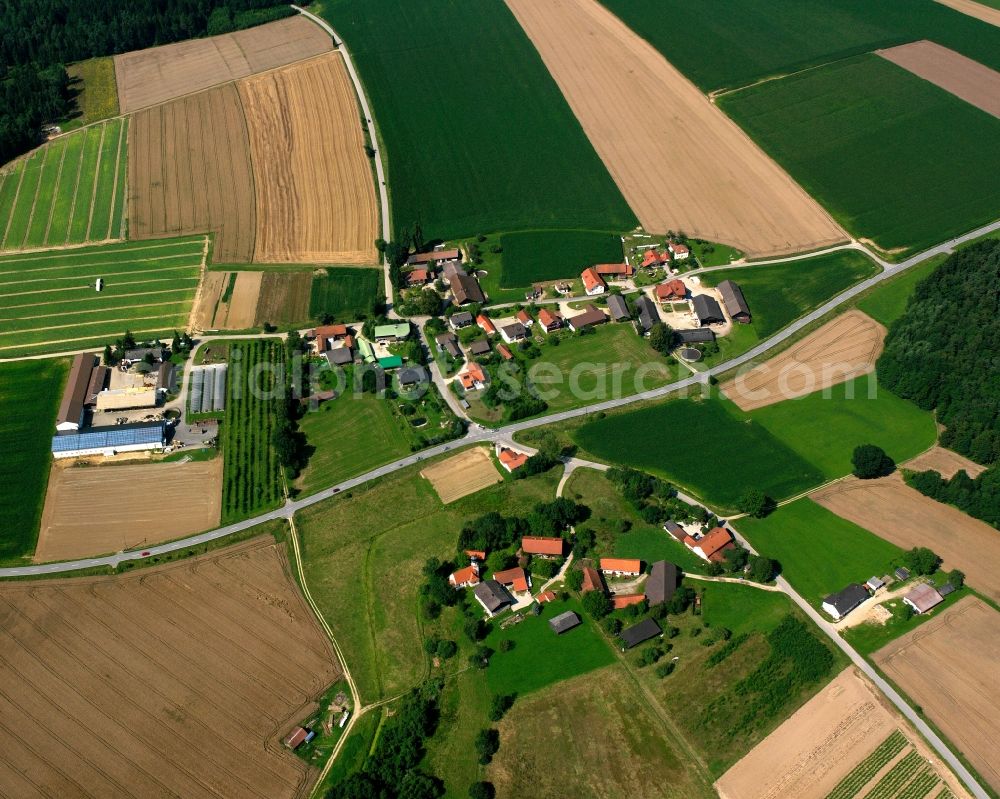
(97, 175)
(114, 186)
(83, 275)
(123, 225)
(76, 190)
(71, 250)
(34, 200)
(253, 174)
(94, 310)
(75, 324)
(55, 194)
(13, 203)
(199, 290)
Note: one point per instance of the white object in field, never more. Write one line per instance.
(99, 284)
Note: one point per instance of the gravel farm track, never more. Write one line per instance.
(176, 681)
(679, 161)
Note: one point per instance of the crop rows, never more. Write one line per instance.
(897, 777)
(254, 393)
(921, 785)
(869, 767)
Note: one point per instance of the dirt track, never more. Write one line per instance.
(462, 474)
(174, 681)
(189, 172)
(900, 514)
(99, 509)
(944, 462)
(679, 161)
(158, 74)
(949, 666)
(953, 72)
(314, 190)
(820, 744)
(974, 9)
(842, 349)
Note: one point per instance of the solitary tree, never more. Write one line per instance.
(871, 461)
(596, 604)
(487, 743)
(482, 790)
(921, 560)
(956, 578)
(661, 338)
(756, 503)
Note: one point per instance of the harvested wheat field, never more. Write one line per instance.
(462, 474)
(314, 188)
(213, 284)
(944, 462)
(175, 681)
(189, 172)
(679, 161)
(976, 84)
(842, 349)
(99, 509)
(973, 9)
(159, 74)
(900, 514)
(239, 312)
(948, 666)
(284, 298)
(827, 740)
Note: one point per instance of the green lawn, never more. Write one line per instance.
(537, 255)
(778, 294)
(479, 137)
(867, 139)
(345, 294)
(887, 301)
(48, 302)
(738, 41)
(363, 551)
(739, 608)
(819, 552)
(702, 445)
(59, 177)
(540, 657)
(30, 392)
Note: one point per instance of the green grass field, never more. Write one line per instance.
(97, 91)
(345, 294)
(868, 140)
(537, 255)
(472, 149)
(48, 302)
(778, 294)
(887, 301)
(819, 552)
(734, 42)
(30, 392)
(363, 552)
(69, 191)
(540, 657)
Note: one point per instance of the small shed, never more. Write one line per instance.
(563, 622)
(637, 633)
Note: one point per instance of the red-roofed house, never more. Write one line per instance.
(473, 378)
(679, 251)
(549, 320)
(509, 459)
(417, 277)
(713, 545)
(592, 580)
(327, 334)
(516, 579)
(486, 324)
(653, 258)
(592, 282)
(478, 554)
(525, 318)
(505, 352)
(465, 578)
(671, 290)
(542, 545)
(614, 271)
(546, 596)
(619, 601)
(296, 738)
(621, 567)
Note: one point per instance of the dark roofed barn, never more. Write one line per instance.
(563, 622)
(637, 633)
(339, 356)
(843, 602)
(647, 313)
(466, 288)
(662, 582)
(70, 416)
(618, 308)
(708, 310)
(699, 335)
(461, 319)
(480, 347)
(493, 596)
(413, 375)
(590, 317)
(735, 302)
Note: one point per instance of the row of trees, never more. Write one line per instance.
(494, 532)
(979, 497)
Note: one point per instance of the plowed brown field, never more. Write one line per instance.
(314, 188)
(158, 74)
(842, 349)
(974, 9)
(127, 506)
(900, 514)
(284, 297)
(821, 744)
(944, 462)
(462, 474)
(189, 172)
(679, 161)
(174, 681)
(949, 666)
(953, 72)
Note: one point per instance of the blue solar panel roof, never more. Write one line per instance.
(109, 437)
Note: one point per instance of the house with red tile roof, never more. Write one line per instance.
(614, 271)
(505, 352)
(465, 578)
(592, 282)
(549, 320)
(525, 318)
(327, 334)
(619, 601)
(592, 580)
(711, 546)
(679, 251)
(417, 277)
(546, 596)
(670, 290)
(478, 554)
(653, 258)
(486, 324)
(621, 567)
(509, 459)
(545, 546)
(473, 377)
(515, 579)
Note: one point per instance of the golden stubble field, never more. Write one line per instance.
(462, 474)
(314, 189)
(158, 74)
(948, 665)
(842, 349)
(679, 161)
(176, 681)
